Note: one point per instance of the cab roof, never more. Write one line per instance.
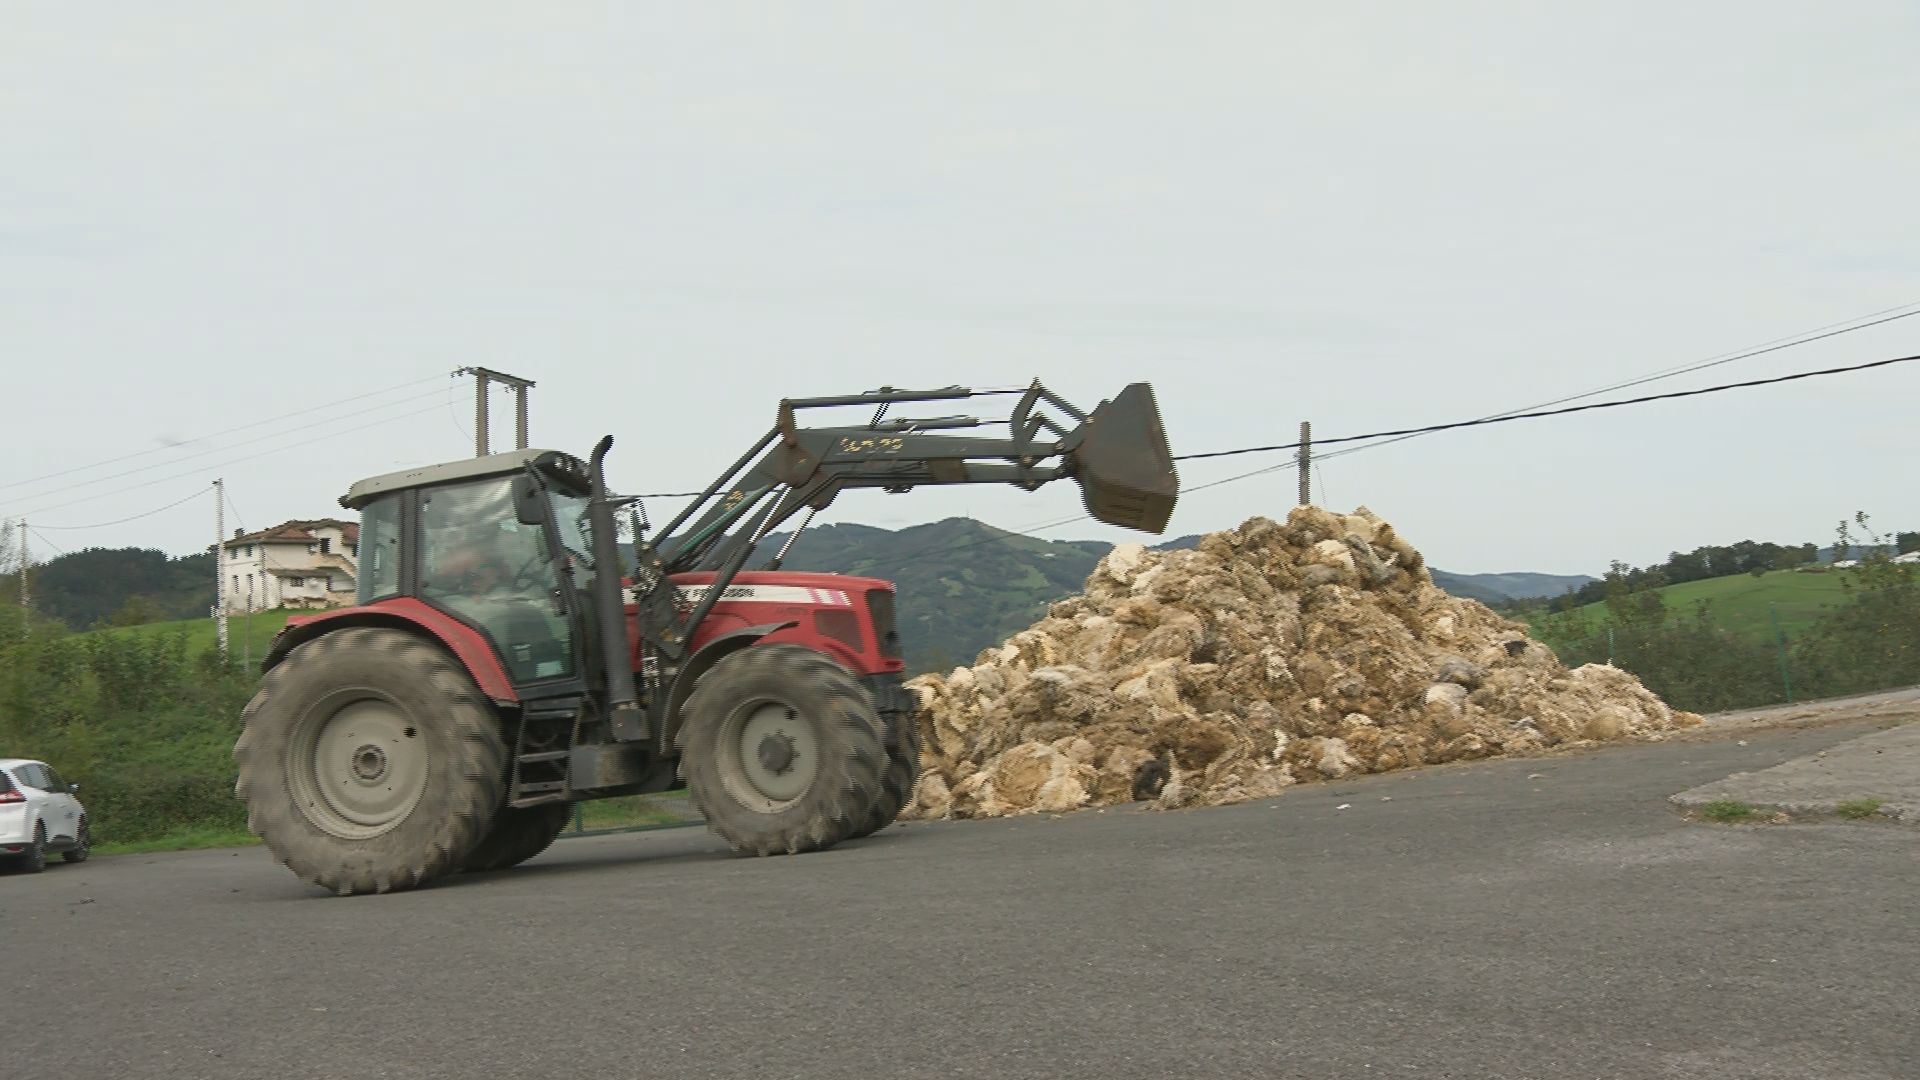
(552, 462)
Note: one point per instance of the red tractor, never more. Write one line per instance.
(504, 662)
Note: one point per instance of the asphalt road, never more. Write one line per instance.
(1545, 918)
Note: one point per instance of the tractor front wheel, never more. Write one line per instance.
(782, 751)
(896, 707)
(370, 762)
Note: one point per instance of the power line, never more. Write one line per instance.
(35, 530)
(271, 436)
(1507, 417)
(216, 434)
(1030, 533)
(237, 515)
(1821, 333)
(124, 520)
(234, 461)
(233, 446)
(1818, 333)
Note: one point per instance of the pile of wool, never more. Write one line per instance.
(1271, 654)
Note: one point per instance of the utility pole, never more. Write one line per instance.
(219, 567)
(246, 632)
(483, 378)
(1305, 457)
(26, 604)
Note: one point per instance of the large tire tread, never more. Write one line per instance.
(850, 735)
(903, 759)
(461, 798)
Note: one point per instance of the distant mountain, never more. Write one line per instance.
(1495, 588)
(963, 585)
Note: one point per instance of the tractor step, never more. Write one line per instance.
(540, 753)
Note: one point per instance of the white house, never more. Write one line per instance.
(296, 564)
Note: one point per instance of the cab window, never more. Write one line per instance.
(480, 562)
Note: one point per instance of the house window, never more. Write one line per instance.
(296, 582)
(326, 545)
(236, 583)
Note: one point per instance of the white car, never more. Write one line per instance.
(38, 814)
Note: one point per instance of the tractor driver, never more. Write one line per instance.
(483, 552)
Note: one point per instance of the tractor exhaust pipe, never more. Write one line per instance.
(1123, 464)
(624, 715)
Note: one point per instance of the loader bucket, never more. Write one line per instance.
(1123, 464)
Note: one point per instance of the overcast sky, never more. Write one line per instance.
(672, 215)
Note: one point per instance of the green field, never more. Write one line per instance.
(247, 635)
(1744, 605)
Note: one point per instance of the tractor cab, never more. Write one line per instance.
(499, 543)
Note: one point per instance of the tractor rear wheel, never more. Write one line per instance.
(518, 834)
(782, 751)
(370, 762)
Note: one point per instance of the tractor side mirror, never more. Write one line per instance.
(526, 500)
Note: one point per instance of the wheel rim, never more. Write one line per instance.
(358, 767)
(769, 755)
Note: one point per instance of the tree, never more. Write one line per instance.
(137, 611)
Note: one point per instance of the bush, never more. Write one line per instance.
(1873, 641)
(1688, 660)
(144, 728)
(145, 802)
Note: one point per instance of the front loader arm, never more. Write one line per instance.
(1118, 454)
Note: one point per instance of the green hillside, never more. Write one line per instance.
(1743, 604)
(247, 635)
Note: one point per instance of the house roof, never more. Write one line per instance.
(298, 532)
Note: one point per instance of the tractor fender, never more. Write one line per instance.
(703, 659)
(470, 647)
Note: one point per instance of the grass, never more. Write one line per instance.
(187, 839)
(625, 812)
(1856, 809)
(247, 635)
(1729, 811)
(622, 813)
(1745, 605)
